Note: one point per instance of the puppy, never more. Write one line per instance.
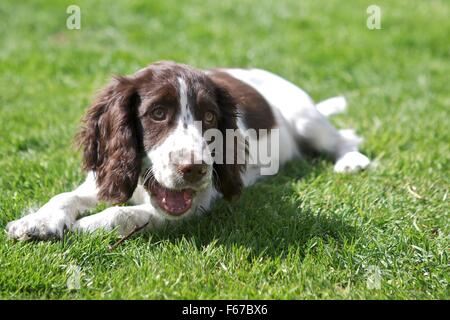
(171, 139)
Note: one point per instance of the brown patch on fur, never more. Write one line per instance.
(229, 181)
(256, 111)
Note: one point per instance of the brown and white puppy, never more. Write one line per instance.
(147, 140)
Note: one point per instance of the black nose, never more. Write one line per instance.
(192, 172)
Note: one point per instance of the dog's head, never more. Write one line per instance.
(150, 125)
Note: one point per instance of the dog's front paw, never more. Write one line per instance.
(39, 226)
(351, 162)
(122, 219)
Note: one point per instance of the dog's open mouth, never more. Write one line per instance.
(174, 202)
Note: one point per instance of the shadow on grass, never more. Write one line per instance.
(269, 219)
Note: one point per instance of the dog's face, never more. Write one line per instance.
(177, 106)
(150, 126)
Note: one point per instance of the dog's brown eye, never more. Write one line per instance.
(159, 114)
(209, 117)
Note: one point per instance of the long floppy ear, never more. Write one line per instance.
(228, 180)
(110, 141)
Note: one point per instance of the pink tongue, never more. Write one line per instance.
(174, 202)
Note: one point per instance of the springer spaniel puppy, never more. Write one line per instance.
(144, 142)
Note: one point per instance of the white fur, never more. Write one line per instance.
(332, 106)
(125, 219)
(351, 161)
(298, 119)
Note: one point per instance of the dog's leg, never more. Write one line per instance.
(124, 219)
(56, 215)
(313, 127)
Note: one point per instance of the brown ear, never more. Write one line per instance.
(110, 143)
(228, 180)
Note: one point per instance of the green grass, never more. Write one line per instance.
(306, 233)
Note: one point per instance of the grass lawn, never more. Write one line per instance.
(306, 233)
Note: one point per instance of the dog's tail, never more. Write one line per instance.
(332, 106)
